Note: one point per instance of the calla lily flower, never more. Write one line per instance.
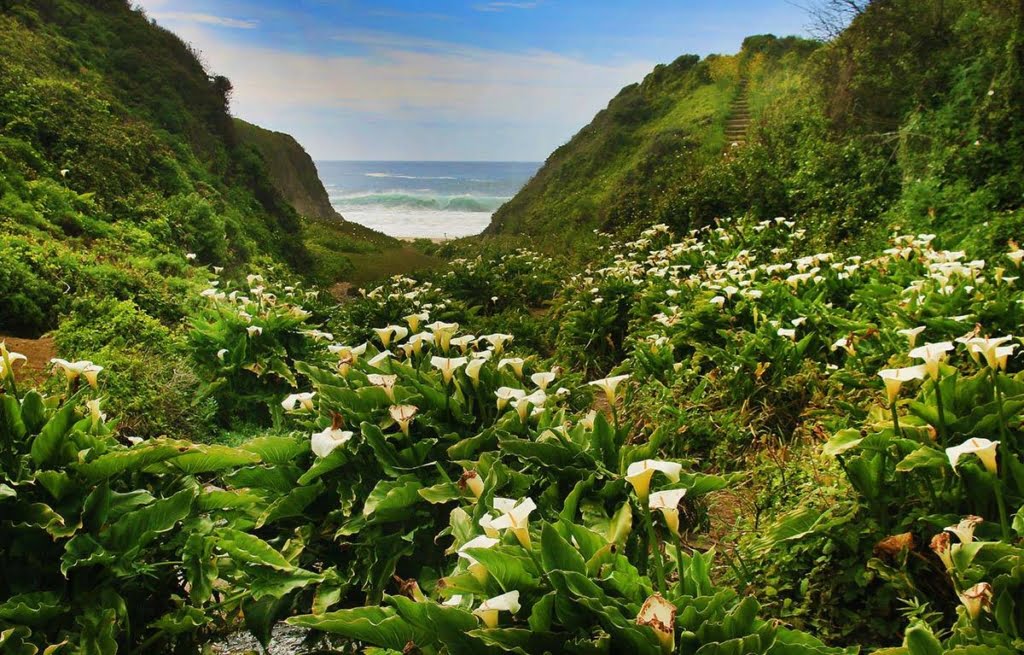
(588, 420)
(989, 348)
(976, 599)
(1003, 354)
(8, 358)
(660, 615)
(254, 330)
(505, 394)
(448, 366)
(983, 448)
(487, 523)
(380, 357)
(488, 610)
(98, 417)
(323, 443)
(476, 568)
(351, 352)
(298, 401)
(542, 380)
(515, 362)
(639, 474)
(222, 353)
(384, 334)
(911, 334)
(932, 354)
(387, 382)
(516, 517)
(443, 333)
(498, 341)
(535, 399)
(403, 415)
(895, 377)
(417, 341)
(668, 503)
(414, 320)
(964, 530)
(454, 601)
(846, 344)
(464, 342)
(609, 385)
(473, 370)
(940, 545)
(788, 333)
(74, 370)
(473, 482)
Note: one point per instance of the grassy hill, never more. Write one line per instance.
(118, 156)
(906, 118)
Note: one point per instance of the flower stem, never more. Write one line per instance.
(1001, 503)
(999, 405)
(652, 543)
(942, 411)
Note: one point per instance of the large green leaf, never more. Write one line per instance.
(557, 554)
(277, 450)
(206, 459)
(290, 505)
(380, 626)
(136, 529)
(35, 609)
(245, 547)
(135, 458)
(390, 499)
(48, 443)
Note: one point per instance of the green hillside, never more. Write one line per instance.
(869, 130)
(117, 158)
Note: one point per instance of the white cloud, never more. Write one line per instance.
(502, 6)
(410, 85)
(153, 10)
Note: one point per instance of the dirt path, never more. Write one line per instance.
(39, 352)
(739, 119)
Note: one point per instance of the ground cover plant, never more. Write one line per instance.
(462, 492)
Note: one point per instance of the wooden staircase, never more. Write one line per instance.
(739, 119)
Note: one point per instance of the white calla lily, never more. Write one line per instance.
(323, 443)
(488, 610)
(543, 379)
(964, 530)
(660, 615)
(386, 382)
(609, 386)
(297, 401)
(895, 377)
(984, 449)
(639, 474)
(932, 354)
(668, 503)
(448, 366)
(403, 415)
(515, 517)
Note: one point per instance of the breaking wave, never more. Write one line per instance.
(399, 200)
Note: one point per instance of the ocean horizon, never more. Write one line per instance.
(422, 199)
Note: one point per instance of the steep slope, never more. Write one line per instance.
(291, 170)
(118, 156)
(654, 138)
(326, 233)
(910, 117)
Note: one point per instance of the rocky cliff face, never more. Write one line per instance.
(291, 170)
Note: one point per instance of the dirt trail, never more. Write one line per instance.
(39, 352)
(739, 119)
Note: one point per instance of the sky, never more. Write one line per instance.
(457, 80)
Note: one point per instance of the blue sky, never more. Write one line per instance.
(453, 80)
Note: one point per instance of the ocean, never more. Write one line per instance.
(422, 198)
